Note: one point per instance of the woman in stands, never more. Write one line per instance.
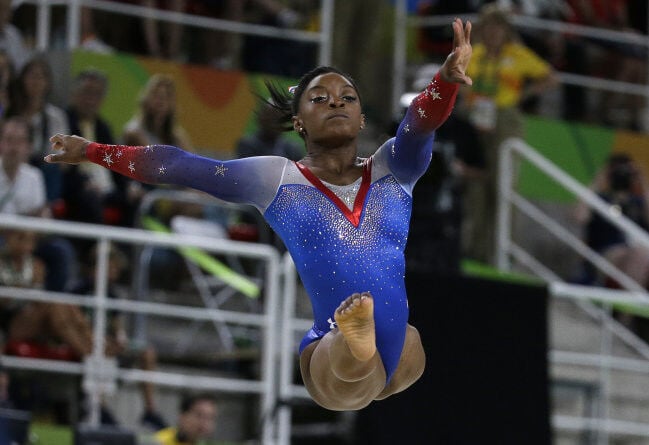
(343, 218)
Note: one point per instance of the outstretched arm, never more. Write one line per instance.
(249, 181)
(412, 149)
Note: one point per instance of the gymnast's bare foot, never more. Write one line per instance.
(355, 320)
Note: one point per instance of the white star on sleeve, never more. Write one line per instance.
(162, 170)
(131, 166)
(108, 159)
(434, 94)
(220, 170)
(422, 112)
(406, 128)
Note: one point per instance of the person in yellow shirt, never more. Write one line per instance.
(505, 74)
(196, 421)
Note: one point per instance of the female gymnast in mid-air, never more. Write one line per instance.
(344, 219)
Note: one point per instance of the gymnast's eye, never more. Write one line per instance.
(318, 99)
(349, 98)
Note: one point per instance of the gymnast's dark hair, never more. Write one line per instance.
(287, 104)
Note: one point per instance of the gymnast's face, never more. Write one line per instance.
(330, 110)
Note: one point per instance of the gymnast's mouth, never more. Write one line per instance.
(338, 115)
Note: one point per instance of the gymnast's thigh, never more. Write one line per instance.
(411, 364)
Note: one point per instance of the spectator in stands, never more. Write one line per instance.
(620, 61)
(11, 39)
(155, 122)
(92, 194)
(30, 99)
(624, 185)
(196, 421)
(22, 191)
(42, 323)
(505, 73)
(117, 342)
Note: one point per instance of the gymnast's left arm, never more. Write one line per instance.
(412, 150)
(249, 181)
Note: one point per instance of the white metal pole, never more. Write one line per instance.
(74, 24)
(399, 56)
(43, 25)
(326, 32)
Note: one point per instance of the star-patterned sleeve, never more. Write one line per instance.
(412, 148)
(251, 180)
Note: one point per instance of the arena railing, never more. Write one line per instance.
(405, 22)
(100, 373)
(597, 302)
(73, 37)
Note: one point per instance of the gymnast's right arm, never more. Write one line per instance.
(248, 181)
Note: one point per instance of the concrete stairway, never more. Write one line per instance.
(577, 390)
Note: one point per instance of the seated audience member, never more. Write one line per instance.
(624, 185)
(37, 322)
(196, 421)
(91, 193)
(22, 192)
(30, 100)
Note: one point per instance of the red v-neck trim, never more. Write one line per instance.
(353, 216)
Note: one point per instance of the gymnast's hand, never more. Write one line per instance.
(71, 149)
(455, 65)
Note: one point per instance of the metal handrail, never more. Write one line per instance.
(96, 378)
(322, 37)
(404, 22)
(631, 293)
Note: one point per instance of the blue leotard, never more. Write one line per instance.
(343, 239)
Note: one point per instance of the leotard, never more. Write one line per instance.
(343, 239)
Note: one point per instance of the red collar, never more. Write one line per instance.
(353, 216)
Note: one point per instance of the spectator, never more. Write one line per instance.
(506, 73)
(19, 267)
(196, 421)
(90, 194)
(29, 99)
(39, 322)
(11, 39)
(22, 191)
(156, 122)
(117, 341)
(625, 186)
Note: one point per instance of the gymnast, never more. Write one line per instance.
(344, 219)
